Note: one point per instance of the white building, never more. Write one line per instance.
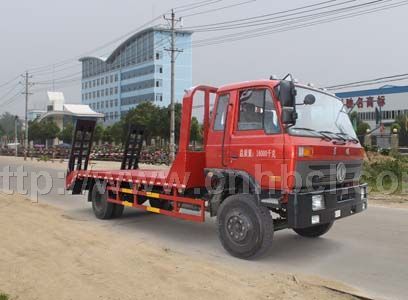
(390, 100)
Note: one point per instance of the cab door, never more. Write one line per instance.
(217, 154)
(256, 142)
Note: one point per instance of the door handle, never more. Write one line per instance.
(234, 156)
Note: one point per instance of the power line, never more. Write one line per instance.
(366, 81)
(11, 99)
(218, 9)
(67, 61)
(68, 79)
(10, 81)
(241, 35)
(9, 91)
(191, 4)
(199, 5)
(262, 16)
(374, 81)
(297, 18)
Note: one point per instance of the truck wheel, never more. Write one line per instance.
(100, 205)
(314, 231)
(245, 229)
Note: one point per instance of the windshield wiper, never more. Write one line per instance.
(323, 135)
(350, 138)
(336, 134)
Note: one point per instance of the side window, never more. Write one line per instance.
(221, 114)
(271, 124)
(257, 111)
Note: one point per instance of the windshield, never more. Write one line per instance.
(328, 115)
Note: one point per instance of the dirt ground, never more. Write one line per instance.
(46, 255)
(394, 201)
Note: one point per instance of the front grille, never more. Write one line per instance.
(317, 174)
(349, 195)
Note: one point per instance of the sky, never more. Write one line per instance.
(46, 32)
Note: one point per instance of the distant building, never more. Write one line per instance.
(391, 100)
(34, 114)
(138, 70)
(62, 113)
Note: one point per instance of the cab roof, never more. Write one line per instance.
(248, 84)
(266, 82)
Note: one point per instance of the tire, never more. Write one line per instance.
(161, 204)
(117, 211)
(244, 228)
(313, 231)
(101, 207)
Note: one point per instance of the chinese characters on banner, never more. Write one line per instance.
(368, 101)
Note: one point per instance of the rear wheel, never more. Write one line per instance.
(314, 231)
(245, 229)
(100, 205)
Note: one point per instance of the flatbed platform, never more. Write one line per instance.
(139, 176)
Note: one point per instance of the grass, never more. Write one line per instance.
(4, 296)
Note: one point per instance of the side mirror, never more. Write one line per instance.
(289, 116)
(309, 99)
(287, 93)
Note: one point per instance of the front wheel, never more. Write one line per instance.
(314, 231)
(245, 229)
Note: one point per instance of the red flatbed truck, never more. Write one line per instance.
(275, 155)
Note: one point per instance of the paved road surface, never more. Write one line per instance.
(368, 251)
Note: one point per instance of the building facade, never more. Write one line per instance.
(390, 101)
(136, 71)
(33, 114)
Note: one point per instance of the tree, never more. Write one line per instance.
(402, 121)
(2, 132)
(98, 133)
(195, 132)
(34, 131)
(359, 126)
(50, 130)
(66, 134)
(107, 135)
(146, 114)
(362, 128)
(7, 122)
(42, 131)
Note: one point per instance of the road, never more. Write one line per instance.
(368, 251)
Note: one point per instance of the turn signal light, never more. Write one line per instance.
(305, 151)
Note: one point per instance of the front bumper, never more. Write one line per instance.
(338, 203)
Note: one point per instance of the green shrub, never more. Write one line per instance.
(385, 152)
(4, 296)
(397, 167)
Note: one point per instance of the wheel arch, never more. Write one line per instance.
(221, 183)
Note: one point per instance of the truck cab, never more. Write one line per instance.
(294, 149)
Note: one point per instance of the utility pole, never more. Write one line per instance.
(15, 133)
(173, 50)
(26, 92)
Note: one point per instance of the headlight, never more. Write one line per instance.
(318, 202)
(363, 192)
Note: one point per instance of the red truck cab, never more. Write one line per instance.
(307, 167)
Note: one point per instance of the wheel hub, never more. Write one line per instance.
(237, 227)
